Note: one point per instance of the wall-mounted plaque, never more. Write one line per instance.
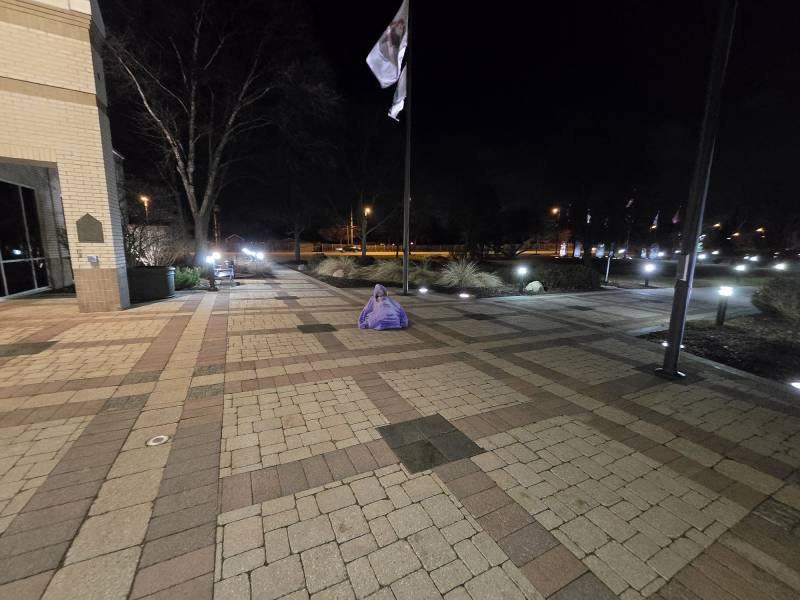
(89, 229)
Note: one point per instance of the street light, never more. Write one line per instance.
(725, 292)
(649, 269)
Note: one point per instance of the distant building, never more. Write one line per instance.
(59, 207)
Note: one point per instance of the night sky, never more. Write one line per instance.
(576, 102)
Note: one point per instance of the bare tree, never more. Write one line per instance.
(206, 87)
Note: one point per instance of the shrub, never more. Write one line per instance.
(569, 277)
(465, 274)
(780, 296)
(422, 272)
(186, 277)
(383, 271)
(345, 264)
(365, 261)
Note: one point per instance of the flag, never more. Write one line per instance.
(676, 218)
(386, 56)
(655, 221)
(399, 100)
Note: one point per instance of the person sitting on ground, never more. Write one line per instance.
(382, 312)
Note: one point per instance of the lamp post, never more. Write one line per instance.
(522, 271)
(364, 220)
(725, 292)
(556, 212)
(145, 200)
(212, 283)
(649, 269)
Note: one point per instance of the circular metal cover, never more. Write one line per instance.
(158, 440)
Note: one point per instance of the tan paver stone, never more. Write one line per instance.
(106, 577)
(393, 562)
(348, 523)
(493, 584)
(416, 585)
(450, 576)
(277, 579)
(276, 544)
(358, 547)
(335, 498)
(368, 490)
(323, 567)
(362, 578)
(140, 459)
(626, 565)
(409, 519)
(127, 491)
(242, 563)
(307, 534)
(234, 588)
(242, 535)
(111, 531)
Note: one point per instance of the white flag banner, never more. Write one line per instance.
(399, 100)
(386, 56)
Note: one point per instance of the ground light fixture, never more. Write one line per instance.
(740, 268)
(216, 255)
(665, 343)
(522, 271)
(260, 255)
(463, 295)
(702, 256)
(423, 290)
(649, 269)
(779, 266)
(796, 384)
(210, 259)
(725, 292)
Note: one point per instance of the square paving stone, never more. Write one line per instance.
(455, 445)
(316, 328)
(420, 456)
(401, 434)
(433, 425)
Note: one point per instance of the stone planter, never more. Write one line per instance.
(151, 283)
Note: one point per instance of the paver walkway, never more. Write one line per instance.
(496, 449)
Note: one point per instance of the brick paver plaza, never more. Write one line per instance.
(282, 476)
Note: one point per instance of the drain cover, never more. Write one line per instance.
(158, 440)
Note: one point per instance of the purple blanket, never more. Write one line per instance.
(381, 312)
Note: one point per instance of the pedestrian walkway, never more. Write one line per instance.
(254, 443)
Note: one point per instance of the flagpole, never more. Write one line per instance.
(407, 178)
(698, 190)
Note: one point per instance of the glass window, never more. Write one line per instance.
(19, 276)
(40, 271)
(13, 244)
(32, 220)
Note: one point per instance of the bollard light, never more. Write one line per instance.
(522, 271)
(216, 255)
(463, 295)
(779, 266)
(210, 260)
(260, 255)
(725, 292)
(740, 268)
(423, 290)
(702, 256)
(649, 269)
(796, 384)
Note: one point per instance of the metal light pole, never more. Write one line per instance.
(407, 181)
(699, 189)
(608, 261)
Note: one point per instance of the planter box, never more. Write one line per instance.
(151, 283)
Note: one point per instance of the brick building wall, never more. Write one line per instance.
(53, 114)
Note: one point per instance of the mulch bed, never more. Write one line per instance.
(760, 344)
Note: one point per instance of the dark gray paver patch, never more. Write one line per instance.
(420, 456)
(24, 348)
(316, 328)
(125, 403)
(479, 317)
